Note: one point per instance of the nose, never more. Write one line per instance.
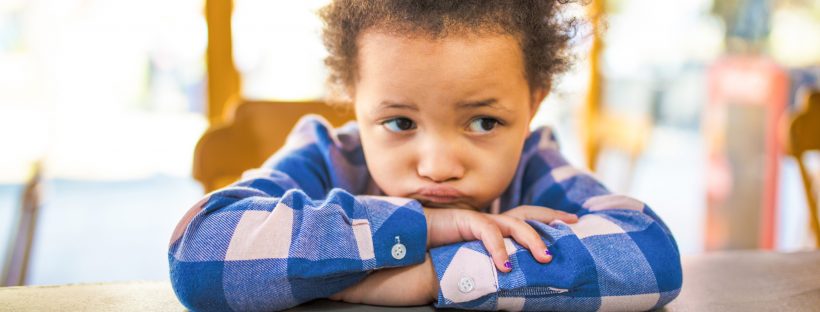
(440, 160)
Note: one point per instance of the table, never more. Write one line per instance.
(750, 281)
(724, 281)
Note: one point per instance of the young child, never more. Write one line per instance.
(438, 192)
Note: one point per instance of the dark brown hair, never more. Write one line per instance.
(537, 25)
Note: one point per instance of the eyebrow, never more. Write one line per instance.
(464, 105)
(385, 105)
(489, 103)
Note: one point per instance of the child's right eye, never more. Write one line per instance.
(399, 124)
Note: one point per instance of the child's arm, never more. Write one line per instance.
(244, 249)
(417, 284)
(618, 256)
(284, 235)
(406, 286)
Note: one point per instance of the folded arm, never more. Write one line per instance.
(619, 255)
(256, 246)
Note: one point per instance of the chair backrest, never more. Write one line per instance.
(804, 136)
(256, 130)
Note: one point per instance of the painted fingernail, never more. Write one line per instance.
(548, 252)
(507, 264)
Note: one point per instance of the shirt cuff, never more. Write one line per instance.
(466, 275)
(397, 229)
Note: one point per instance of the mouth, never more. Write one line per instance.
(437, 200)
(439, 194)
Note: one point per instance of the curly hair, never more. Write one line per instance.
(536, 24)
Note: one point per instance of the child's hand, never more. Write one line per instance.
(543, 214)
(446, 226)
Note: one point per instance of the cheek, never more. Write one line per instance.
(495, 166)
(498, 163)
(388, 165)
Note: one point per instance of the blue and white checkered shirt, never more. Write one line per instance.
(311, 222)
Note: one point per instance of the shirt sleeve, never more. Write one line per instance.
(619, 256)
(266, 243)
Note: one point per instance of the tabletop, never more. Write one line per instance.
(721, 281)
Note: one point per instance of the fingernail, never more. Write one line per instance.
(548, 252)
(507, 264)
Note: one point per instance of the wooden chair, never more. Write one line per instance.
(247, 135)
(627, 134)
(603, 130)
(804, 136)
(255, 131)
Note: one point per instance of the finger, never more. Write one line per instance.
(490, 236)
(542, 214)
(525, 235)
(568, 217)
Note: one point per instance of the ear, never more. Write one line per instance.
(538, 95)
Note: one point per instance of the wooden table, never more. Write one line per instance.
(750, 281)
(726, 281)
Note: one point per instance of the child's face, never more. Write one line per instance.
(443, 120)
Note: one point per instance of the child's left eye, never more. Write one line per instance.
(483, 124)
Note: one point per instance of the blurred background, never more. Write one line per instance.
(684, 104)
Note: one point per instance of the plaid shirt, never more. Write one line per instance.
(311, 222)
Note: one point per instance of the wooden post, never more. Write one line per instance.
(590, 131)
(223, 78)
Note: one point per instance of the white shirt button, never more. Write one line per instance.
(466, 284)
(399, 251)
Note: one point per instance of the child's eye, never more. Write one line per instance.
(483, 124)
(399, 124)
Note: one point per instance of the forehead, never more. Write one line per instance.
(456, 63)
